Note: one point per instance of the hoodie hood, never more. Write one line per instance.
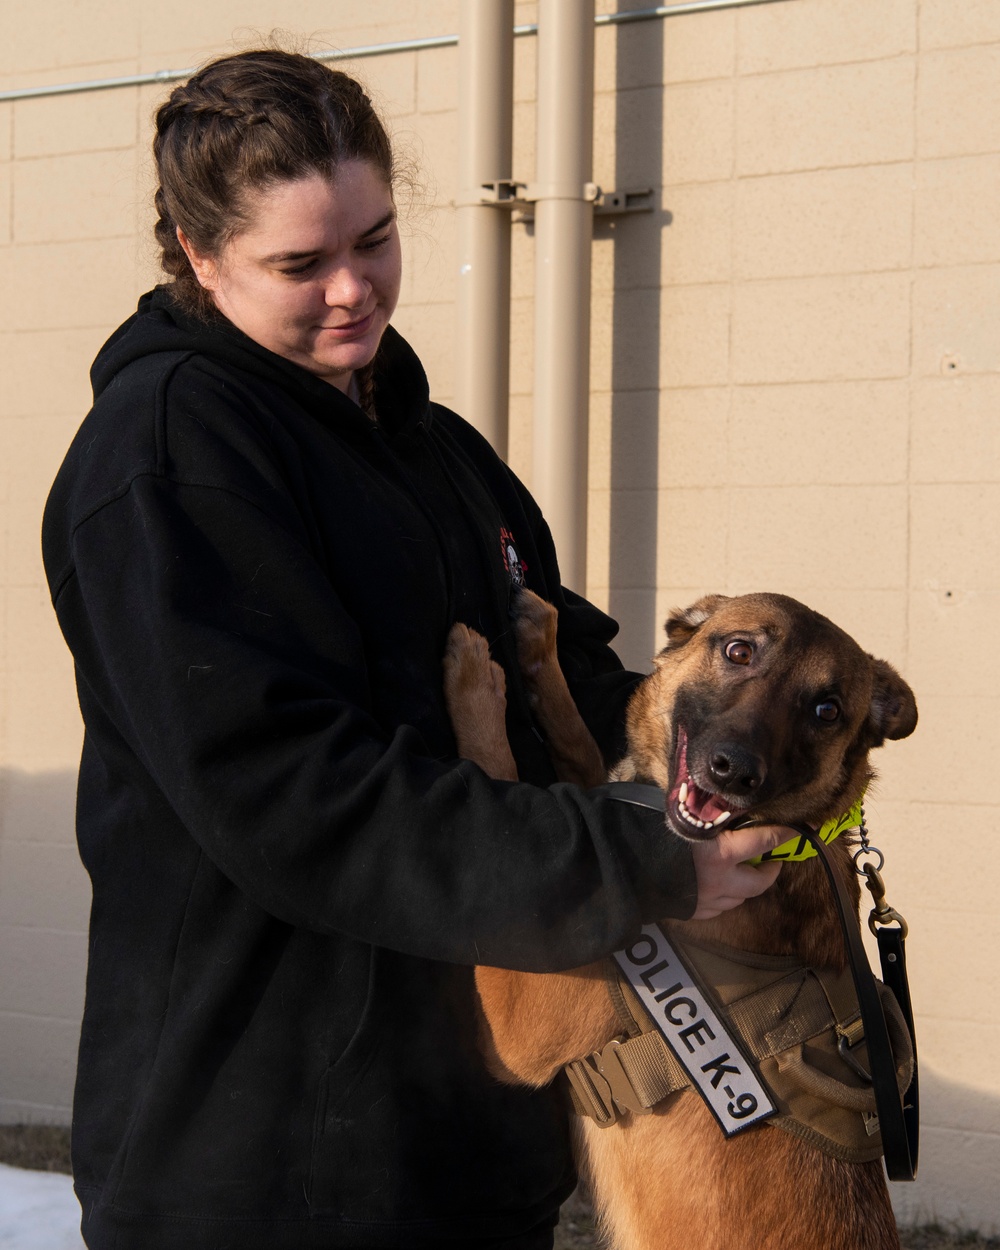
(159, 324)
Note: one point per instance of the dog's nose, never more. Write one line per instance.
(735, 768)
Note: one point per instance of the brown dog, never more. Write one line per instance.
(758, 708)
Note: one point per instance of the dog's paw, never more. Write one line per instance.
(535, 625)
(468, 668)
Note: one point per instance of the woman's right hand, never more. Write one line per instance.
(724, 877)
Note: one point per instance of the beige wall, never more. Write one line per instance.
(795, 370)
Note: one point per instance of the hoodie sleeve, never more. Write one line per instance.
(223, 657)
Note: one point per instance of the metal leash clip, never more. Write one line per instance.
(881, 913)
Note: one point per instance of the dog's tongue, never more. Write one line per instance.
(703, 805)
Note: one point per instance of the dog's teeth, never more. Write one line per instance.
(682, 794)
(721, 819)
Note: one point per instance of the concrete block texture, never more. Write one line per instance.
(624, 436)
(854, 220)
(819, 434)
(38, 805)
(955, 436)
(87, 195)
(313, 25)
(81, 35)
(45, 372)
(6, 201)
(955, 835)
(692, 47)
(95, 121)
(67, 286)
(698, 130)
(693, 447)
(38, 1068)
(958, 102)
(943, 982)
(955, 544)
(43, 886)
(845, 537)
(41, 728)
(436, 80)
(948, 629)
(956, 315)
(42, 971)
(37, 446)
(640, 637)
(956, 733)
(828, 32)
(821, 329)
(954, 211)
(695, 336)
(944, 24)
(429, 328)
(859, 114)
(695, 243)
(428, 237)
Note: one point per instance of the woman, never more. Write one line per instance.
(256, 546)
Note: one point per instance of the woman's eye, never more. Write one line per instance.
(827, 711)
(739, 652)
(299, 269)
(372, 245)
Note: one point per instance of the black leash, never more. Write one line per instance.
(898, 1116)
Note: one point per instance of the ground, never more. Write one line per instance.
(47, 1149)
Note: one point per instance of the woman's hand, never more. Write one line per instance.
(725, 879)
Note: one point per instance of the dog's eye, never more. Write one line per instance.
(827, 711)
(739, 652)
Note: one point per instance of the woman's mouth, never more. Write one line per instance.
(351, 329)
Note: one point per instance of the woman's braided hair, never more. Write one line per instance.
(240, 125)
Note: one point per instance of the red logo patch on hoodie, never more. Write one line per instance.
(512, 562)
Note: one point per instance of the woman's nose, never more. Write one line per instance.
(347, 288)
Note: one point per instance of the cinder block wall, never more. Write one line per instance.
(795, 365)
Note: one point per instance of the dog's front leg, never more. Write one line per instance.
(475, 692)
(574, 753)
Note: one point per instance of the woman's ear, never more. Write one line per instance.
(204, 266)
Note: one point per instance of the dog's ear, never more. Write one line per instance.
(684, 623)
(893, 711)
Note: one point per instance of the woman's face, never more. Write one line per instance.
(315, 275)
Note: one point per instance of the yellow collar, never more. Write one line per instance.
(799, 848)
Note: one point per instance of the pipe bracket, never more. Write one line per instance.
(631, 200)
(522, 196)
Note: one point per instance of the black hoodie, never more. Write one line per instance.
(293, 875)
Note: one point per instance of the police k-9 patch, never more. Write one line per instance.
(714, 1060)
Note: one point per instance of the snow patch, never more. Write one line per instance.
(38, 1211)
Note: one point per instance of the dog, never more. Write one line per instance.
(758, 709)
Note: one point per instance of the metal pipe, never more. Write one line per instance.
(564, 217)
(375, 49)
(485, 141)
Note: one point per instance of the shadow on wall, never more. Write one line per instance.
(44, 913)
(635, 350)
(959, 1157)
